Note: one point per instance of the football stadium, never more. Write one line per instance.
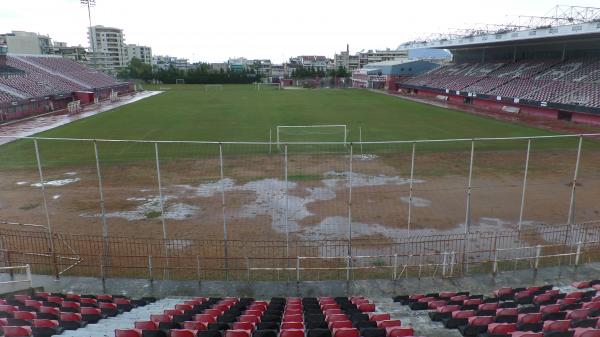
(422, 197)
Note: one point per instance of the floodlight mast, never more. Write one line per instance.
(90, 4)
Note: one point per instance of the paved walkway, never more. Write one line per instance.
(34, 125)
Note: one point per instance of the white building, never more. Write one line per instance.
(361, 59)
(164, 62)
(315, 62)
(142, 53)
(108, 43)
(19, 42)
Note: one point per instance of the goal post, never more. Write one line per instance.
(311, 133)
(208, 87)
(262, 86)
(179, 81)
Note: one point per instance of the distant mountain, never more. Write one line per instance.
(429, 53)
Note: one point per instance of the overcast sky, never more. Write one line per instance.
(215, 30)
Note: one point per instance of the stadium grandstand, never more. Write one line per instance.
(33, 84)
(549, 67)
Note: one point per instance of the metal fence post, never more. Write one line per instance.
(297, 268)
(348, 264)
(198, 269)
(578, 253)
(525, 174)
(411, 187)
(571, 219)
(452, 262)
(420, 264)
(162, 211)
(350, 203)
(105, 250)
(46, 212)
(150, 274)
(270, 139)
(468, 208)
(444, 263)
(538, 252)
(225, 235)
(28, 272)
(495, 266)
(287, 207)
(395, 272)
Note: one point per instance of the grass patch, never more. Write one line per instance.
(29, 206)
(240, 113)
(153, 214)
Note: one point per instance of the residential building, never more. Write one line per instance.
(19, 42)
(75, 53)
(361, 59)
(262, 67)
(143, 53)
(315, 62)
(239, 64)
(165, 62)
(109, 49)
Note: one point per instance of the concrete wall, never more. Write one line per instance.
(478, 283)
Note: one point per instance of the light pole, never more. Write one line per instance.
(90, 4)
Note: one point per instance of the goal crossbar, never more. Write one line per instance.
(259, 85)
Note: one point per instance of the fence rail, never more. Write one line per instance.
(80, 255)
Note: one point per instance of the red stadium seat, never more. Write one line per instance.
(205, 318)
(243, 326)
(194, 325)
(561, 326)
(128, 333)
(501, 328)
(292, 325)
(237, 333)
(340, 324)
(24, 315)
(346, 332)
(586, 332)
(379, 316)
(183, 333)
(16, 331)
(389, 323)
(146, 325)
(292, 333)
(400, 332)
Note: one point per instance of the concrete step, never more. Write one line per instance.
(106, 327)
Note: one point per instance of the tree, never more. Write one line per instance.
(137, 70)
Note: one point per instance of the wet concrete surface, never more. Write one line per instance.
(37, 124)
(376, 288)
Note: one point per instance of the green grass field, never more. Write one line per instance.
(240, 113)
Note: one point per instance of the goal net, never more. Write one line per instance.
(213, 87)
(311, 133)
(179, 81)
(268, 86)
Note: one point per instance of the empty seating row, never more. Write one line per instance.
(532, 311)
(281, 317)
(569, 82)
(46, 314)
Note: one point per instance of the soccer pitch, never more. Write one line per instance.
(241, 113)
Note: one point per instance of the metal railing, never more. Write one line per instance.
(225, 159)
(11, 270)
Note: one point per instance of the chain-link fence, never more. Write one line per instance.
(229, 210)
